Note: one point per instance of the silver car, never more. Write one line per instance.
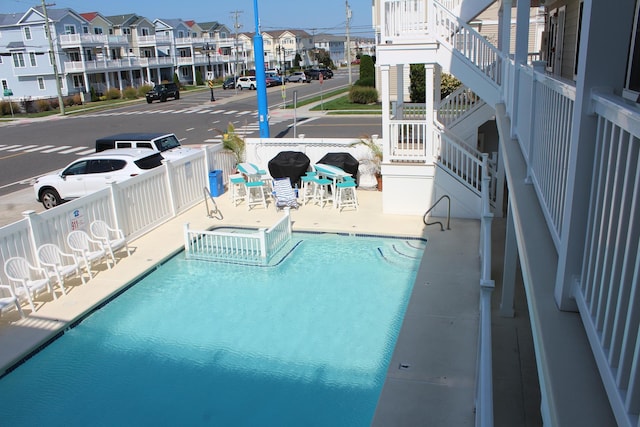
(298, 77)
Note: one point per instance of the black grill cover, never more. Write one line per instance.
(344, 161)
(292, 164)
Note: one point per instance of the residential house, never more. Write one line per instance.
(334, 45)
(558, 143)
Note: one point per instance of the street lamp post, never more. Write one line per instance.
(210, 74)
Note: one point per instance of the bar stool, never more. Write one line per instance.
(346, 197)
(321, 191)
(255, 194)
(237, 186)
(308, 186)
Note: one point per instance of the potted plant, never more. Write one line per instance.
(374, 158)
(233, 142)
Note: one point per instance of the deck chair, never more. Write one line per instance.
(284, 195)
(9, 299)
(112, 238)
(87, 249)
(28, 280)
(58, 264)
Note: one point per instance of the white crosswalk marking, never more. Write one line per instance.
(231, 112)
(8, 147)
(72, 150)
(44, 147)
(53, 150)
(22, 147)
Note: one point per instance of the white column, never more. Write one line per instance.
(504, 39)
(386, 134)
(430, 98)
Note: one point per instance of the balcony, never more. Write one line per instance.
(101, 65)
(155, 40)
(96, 40)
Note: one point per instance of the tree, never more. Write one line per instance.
(417, 84)
(448, 85)
(296, 60)
(367, 68)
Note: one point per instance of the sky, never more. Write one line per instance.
(326, 16)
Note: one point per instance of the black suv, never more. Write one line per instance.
(314, 73)
(162, 92)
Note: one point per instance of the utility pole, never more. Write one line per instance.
(52, 56)
(348, 10)
(236, 26)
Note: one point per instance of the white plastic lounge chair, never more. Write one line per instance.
(284, 195)
(8, 298)
(28, 280)
(112, 238)
(87, 249)
(58, 264)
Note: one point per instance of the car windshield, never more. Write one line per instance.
(150, 162)
(167, 143)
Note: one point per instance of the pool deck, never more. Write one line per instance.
(431, 377)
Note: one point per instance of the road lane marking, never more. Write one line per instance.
(53, 150)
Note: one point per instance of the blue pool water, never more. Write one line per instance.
(305, 341)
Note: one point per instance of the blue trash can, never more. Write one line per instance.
(216, 186)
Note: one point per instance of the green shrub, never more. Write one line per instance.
(366, 82)
(130, 93)
(94, 95)
(5, 108)
(142, 90)
(199, 81)
(367, 68)
(363, 95)
(417, 85)
(113, 93)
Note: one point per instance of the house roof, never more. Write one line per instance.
(8, 19)
(89, 16)
(126, 19)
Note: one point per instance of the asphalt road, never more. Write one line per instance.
(32, 148)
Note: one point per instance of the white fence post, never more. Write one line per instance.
(168, 168)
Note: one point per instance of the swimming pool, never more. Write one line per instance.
(303, 341)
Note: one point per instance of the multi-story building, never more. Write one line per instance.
(94, 53)
(555, 146)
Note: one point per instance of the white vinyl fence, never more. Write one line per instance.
(136, 206)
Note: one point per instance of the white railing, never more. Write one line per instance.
(250, 246)
(75, 39)
(155, 39)
(409, 111)
(463, 39)
(458, 105)
(607, 292)
(543, 124)
(409, 141)
(484, 382)
(404, 19)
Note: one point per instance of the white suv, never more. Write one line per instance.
(247, 82)
(92, 173)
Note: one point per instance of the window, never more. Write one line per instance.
(555, 40)
(32, 59)
(61, 82)
(41, 83)
(27, 33)
(184, 71)
(69, 29)
(180, 34)
(18, 60)
(145, 31)
(5, 85)
(98, 31)
(85, 29)
(74, 56)
(126, 31)
(78, 81)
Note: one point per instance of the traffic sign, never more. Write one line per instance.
(210, 83)
(321, 77)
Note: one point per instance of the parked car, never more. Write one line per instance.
(229, 83)
(165, 143)
(247, 82)
(273, 81)
(312, 74)
(326, 73)
(92, 173)
(297, 76)
(162, 92)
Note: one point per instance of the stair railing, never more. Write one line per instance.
(215, 212)
(457, 105)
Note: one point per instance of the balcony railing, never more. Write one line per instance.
(153, 40)
(67, 40)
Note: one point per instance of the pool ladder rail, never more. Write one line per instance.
(424, 218)
(215, 212)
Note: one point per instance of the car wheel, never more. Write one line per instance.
(252, 87)
(148, 101)
(177, 95)
(163, 99)
(240, 87)
(50, 198)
